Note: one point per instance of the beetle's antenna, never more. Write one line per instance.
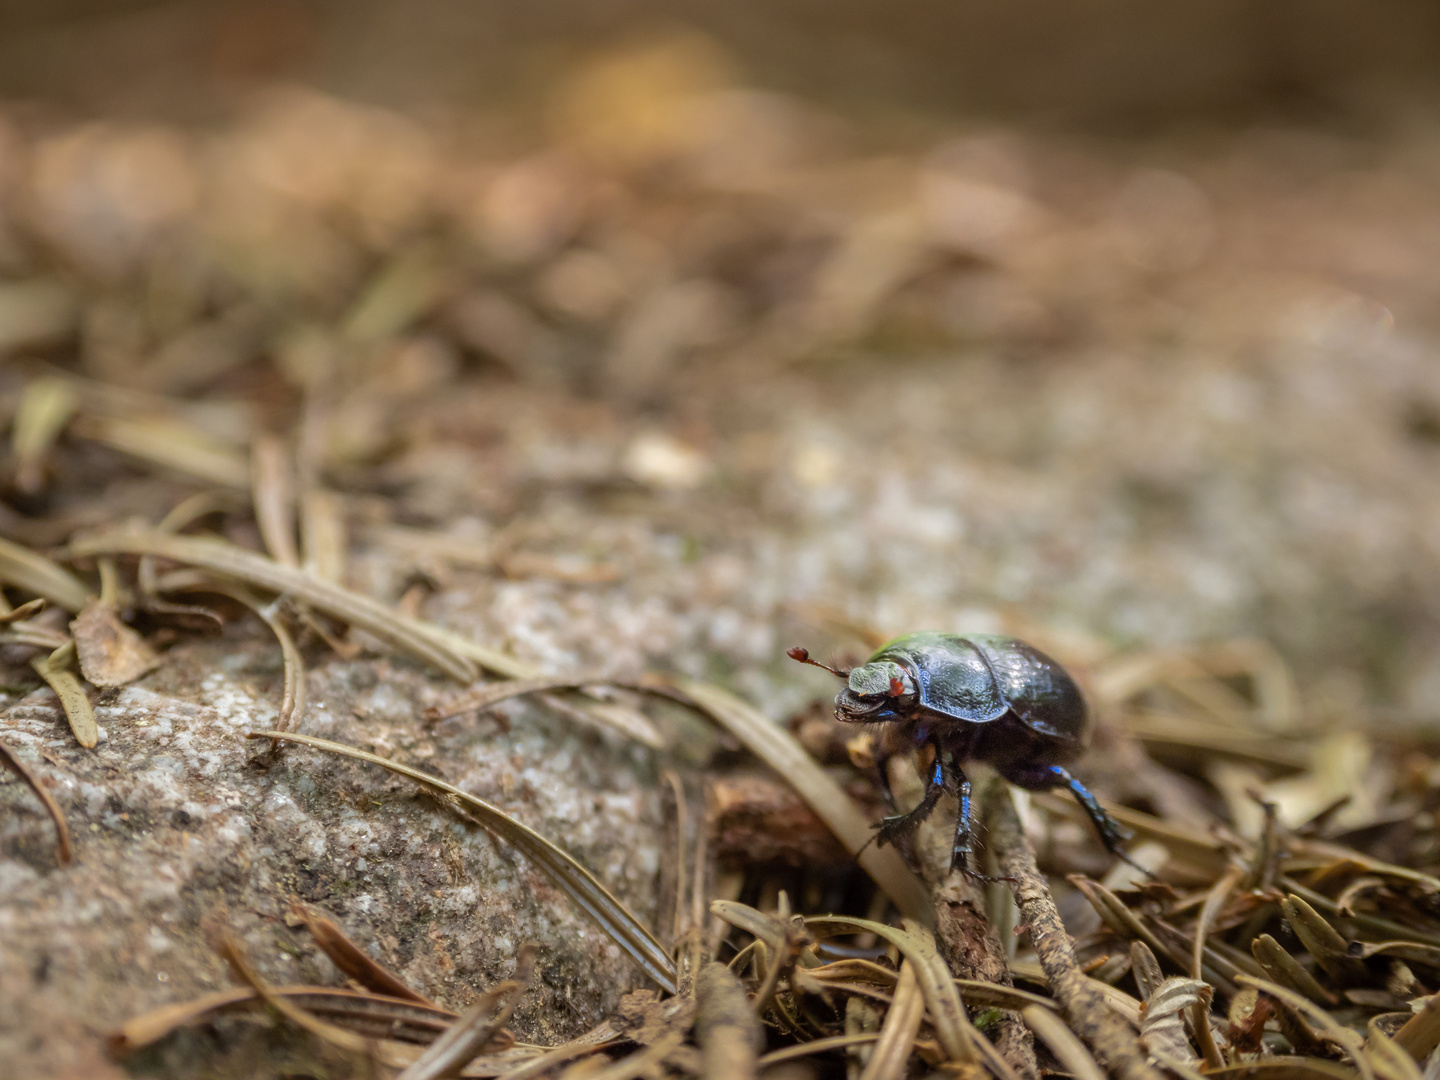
(803, 655)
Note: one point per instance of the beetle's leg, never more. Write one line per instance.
(1112, 834)
(965, 828)
(882, 770)
(895, 826)
(959, 855)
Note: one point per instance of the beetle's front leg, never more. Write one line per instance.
(882, 778)
(895, 826)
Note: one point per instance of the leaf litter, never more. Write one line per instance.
(1332, 964)
(1292, 931)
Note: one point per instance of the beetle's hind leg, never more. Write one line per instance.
(1112, 834)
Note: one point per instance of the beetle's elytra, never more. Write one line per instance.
(971, 697)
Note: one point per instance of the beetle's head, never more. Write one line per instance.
(874, 692)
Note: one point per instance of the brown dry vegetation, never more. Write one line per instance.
(516, 454)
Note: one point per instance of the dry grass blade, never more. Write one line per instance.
(778, 749)
(892, 1050)
(726, 1026)
(358, 1011)
(1390, 1059)
(11, 761)
(641, 1063)
(35, 637)
(485, 697)
(1264, 748)
(997, 996)
(1121, 921)
(323, 534)
(572, 878)
(46, 406)
(756, 923)
(1428, 955)
(273, 491)
(589, 1043)
(1371, 923)
(171, 444)
(23, 612)
(353, 960)
(984, 994)
(391, 1054)
(292, 693)
(1342, 856)
(405, 634)
(401, 291)
(1068, 1050)
(631, 723)
(1176, 1066)
(816, 1046)
(628, 722)
(1286, 970)
(952, 1026)
(1217, 969)
(1214, 901)
(1323, 942)
(610, 717)
(477, 1025)
(489, 659)
(1285, 1068)
(54, 669)
(24, 569)
(1146, 969)
(1420, 1035)
(783, 940)
(203, 503)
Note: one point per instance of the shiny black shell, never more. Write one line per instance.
(979, 678)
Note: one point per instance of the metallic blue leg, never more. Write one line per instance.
(895, 826)
(963, 826)
(1112, 834)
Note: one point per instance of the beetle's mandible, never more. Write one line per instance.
(971, 697)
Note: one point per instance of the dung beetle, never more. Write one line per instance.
(971, 697)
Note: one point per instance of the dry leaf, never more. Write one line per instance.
(111, 654)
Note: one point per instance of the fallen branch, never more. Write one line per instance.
(968, 940)
(1112, 1040)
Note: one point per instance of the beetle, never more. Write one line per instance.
(971, 697)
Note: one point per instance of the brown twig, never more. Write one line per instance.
(968, 940)
(1114, 1044)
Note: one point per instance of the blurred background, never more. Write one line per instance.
(711, 327)
(624, 337)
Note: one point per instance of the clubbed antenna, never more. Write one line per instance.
(803, 655)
